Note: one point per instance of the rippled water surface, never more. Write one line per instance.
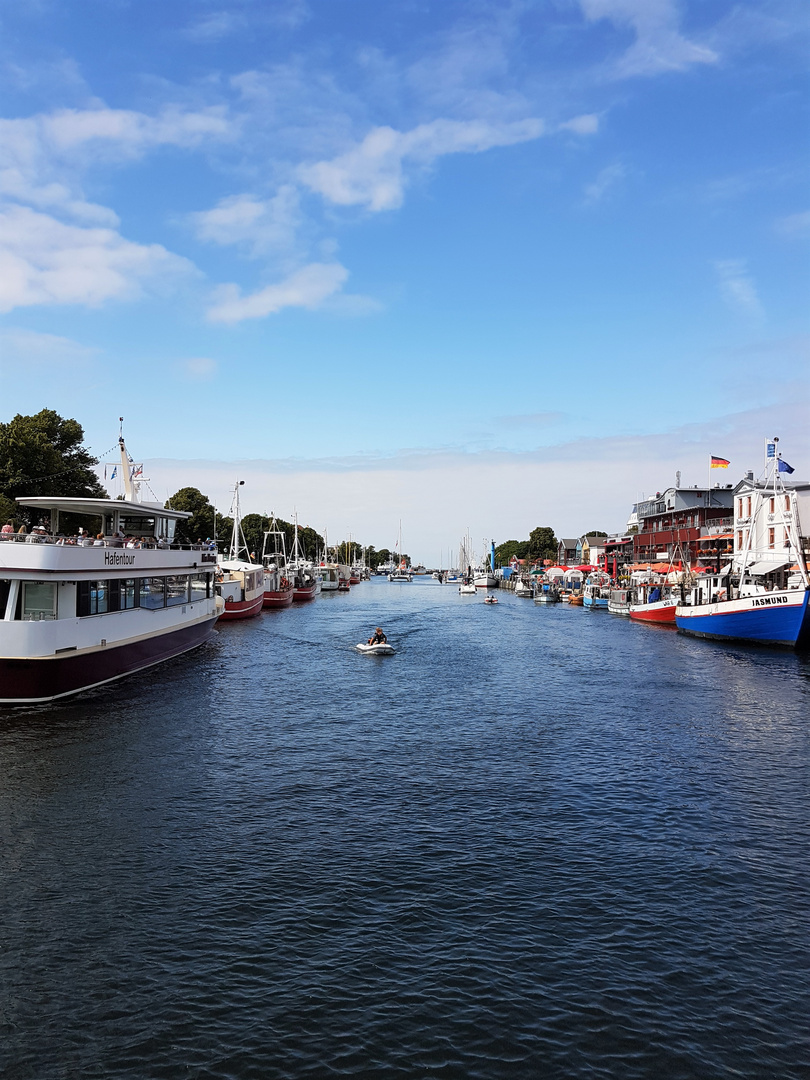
(536, 842)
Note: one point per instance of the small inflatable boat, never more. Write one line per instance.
(490, 599)
(382, 649)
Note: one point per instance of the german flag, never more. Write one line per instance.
(719, 463)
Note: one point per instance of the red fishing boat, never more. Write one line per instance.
(278, 588)
(306, 582)
(240, 582)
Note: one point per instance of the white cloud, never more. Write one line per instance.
(215, 26)
(199, 368)
(44, 261)
(608, 178)
(737, 287)
(429, 490)
(372, 174)
(22, 346)
(261, 224)
(43, 156)
(659, 45)
(306, 288)
(794, 224)
(587, 124)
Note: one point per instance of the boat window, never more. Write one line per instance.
(39, 600)
(177, 590)
(137, 526)
(127, 594)
(152, 593)
(200, 586)
(93, 598)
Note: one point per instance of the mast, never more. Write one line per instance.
(236, 532)
(131, 472)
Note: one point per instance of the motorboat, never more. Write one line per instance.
(382, 648)
(597, 590)
(524, 589)
(546, 592)
(620, 600)
(75, 615)
(490, 599)
(330, 577)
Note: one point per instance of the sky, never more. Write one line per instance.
(479, 265)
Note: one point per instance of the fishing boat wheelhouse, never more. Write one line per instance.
(75, 613)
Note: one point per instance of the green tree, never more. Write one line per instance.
(204, 522)
(542, 543)
(509, 548)
(44, 454)
(595, 532)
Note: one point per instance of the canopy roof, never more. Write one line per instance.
(767, 566)
(102, 506)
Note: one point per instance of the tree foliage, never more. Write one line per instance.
(510, 549)
(44, 454)
(542, 544)
(204, 523)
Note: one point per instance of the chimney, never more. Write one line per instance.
(678, 478)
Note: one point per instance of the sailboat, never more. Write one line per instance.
(465, 561)
(278, 589)
(401, 572)
(240, 582)
(484, 575)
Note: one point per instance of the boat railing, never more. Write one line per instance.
(107, 542)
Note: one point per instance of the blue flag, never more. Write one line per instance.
(112, 474)
(784, 467)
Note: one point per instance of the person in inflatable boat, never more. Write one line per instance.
(378, 638)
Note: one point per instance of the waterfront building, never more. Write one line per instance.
(566, 552)
(681, 517)
(590, 550)
(771, 529)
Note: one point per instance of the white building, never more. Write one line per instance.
(779, 512)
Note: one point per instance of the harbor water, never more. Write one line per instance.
(536, 842)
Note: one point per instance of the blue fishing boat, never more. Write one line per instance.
(762, 595)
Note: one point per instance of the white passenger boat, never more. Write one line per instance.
(75, 614)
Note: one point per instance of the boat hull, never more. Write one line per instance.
(305, 592)
(661, 611)
(381, 649)
(242, 609)
(37, 680)
(278, 598)
(776, 618)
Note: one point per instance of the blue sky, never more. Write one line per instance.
(485, 265)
